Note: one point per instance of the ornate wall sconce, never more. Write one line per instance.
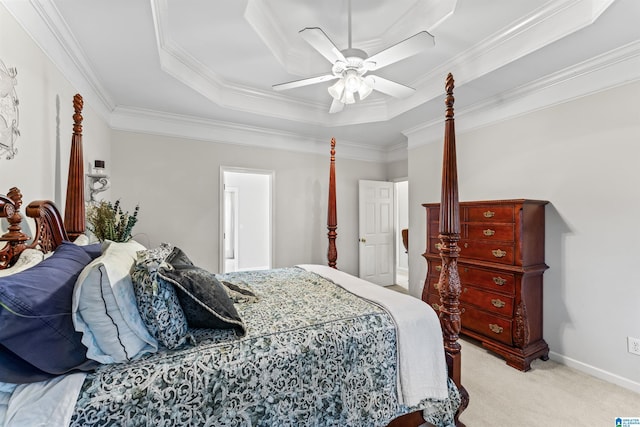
(98, 180)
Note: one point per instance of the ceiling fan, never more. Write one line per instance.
(350, 67)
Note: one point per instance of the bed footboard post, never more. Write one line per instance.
(449, 282)
(332, 218)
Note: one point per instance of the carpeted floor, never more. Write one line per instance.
(549, 394)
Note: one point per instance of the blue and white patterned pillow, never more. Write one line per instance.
(157, 300)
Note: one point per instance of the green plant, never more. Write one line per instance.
(107, 221)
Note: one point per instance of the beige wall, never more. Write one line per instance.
(45, 121)
(397, 169)
(177, 184)
(581, 156)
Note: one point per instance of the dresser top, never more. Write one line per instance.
(495, 202)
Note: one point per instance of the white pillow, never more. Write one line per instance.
(82, 240)
(105, 310)
(28, 258)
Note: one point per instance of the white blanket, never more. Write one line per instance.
(422, 366)
(46, 403)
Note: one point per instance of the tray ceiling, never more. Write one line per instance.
(197, 67)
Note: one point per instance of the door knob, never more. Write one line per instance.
(363, 240)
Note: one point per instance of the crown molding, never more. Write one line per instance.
(609, 70)
(139, 120)
(42, 21)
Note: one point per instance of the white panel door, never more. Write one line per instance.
(376, 231)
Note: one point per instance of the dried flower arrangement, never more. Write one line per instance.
(107, 221)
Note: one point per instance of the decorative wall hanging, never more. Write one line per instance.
(8, 112)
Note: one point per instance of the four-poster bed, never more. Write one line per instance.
(385, 358)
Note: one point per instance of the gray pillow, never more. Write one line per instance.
(203, 298)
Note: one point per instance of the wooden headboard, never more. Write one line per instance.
(49, 228)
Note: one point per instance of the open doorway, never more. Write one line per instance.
(402, 223)
(246, 218)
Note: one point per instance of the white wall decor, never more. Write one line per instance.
(8, 111)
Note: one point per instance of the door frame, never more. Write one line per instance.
(221, 218)
(399, 247)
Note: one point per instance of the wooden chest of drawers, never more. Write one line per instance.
(501, 264)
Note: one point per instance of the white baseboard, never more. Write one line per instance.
(595, 372)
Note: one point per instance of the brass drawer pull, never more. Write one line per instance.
(436, 286)
(488, 232)
(438, 246)
(499, 281)
(498, 303)
(495, 328)
(498, 253)
(489, 214)
(438, 268)
(435, 306)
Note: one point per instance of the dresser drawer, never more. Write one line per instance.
(504, 232)
(488, 213)
(488, 279)
(500, 252)
(494, 327)
(495, 303)
(433, 245)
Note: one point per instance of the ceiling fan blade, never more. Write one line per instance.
(390, 87)
(336, 106)
(322, 43)
(406, 48)
(304, 82)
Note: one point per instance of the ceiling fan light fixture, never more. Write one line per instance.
(348, 98)
(366, 87)
(336, 90)
(352, 81)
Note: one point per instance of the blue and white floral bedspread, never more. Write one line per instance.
(314, 355)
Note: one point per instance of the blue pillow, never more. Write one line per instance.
(15, 370)
(94, 250)
(35, 314)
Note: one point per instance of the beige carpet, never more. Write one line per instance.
(549, 394)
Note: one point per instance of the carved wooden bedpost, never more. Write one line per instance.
(74, 215)
(15, 238)
(332, 217)
(449, 282)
